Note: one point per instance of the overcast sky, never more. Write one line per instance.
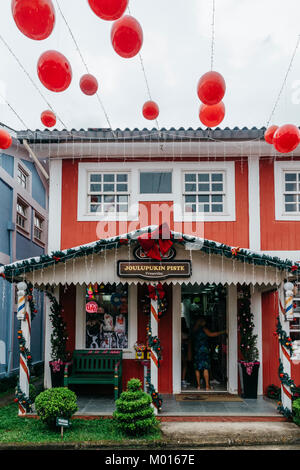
(254, 42)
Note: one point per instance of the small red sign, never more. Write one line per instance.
(91, 307)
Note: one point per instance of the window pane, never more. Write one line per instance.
(109, 207)
(122, 199)
(95, 178)
(122, 208)
(217, 177)
(290, 207)
(109, 199)
(108, 178)
(190, 198)
(290, 176)
(190, 187)
(290, 198)
(203, 187)
(203, 177)
(203, 208)
(151, 183)
(203, 198)
(95, 199)
(95, 207)
(121, 187)
(95, 188)
(190, 208)
(217, 207)
(121, 178)
(217, 187)
(217, 198)
(190, 177)
(108, 188)
(290, 186)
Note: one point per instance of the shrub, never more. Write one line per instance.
(55, 403)
(296, 411)
(274, 392)
(134, 414)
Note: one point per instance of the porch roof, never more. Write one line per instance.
(212, 262)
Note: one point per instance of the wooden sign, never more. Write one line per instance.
(154, 270)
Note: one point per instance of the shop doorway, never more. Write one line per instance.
(203, 357)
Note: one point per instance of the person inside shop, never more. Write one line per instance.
(201, 350)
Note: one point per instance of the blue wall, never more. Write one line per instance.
(6, 198)
(7, 163)
(38, 190)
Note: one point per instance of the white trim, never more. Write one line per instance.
(176, 340)
(54, 233)
(232, 357)
(254, 203)
(279, 168)
(133, 168)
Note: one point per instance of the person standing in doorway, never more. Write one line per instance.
(201, 350)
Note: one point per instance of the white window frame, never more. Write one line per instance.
(280, 168)
(205, 193)
(26, 217)
(103, 193)
(41, 240)
(176, 168)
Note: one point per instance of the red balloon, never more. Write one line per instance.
(48, 118)
(127, 36)
(109, 10)
(286, 138)
(150, 110)
(269, 134)
(54, 71)
(88, 84)
(34, 18)
(213, 115)
(211, 88)
(5, 139)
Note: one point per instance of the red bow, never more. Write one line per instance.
(235, 251)
(156, 291)
(294, 268)
(148, 242)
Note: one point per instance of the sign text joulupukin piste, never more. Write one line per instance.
(154, 269)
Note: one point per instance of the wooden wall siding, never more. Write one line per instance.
(275, 234)
(67, 296)
(73, 233)
(270, 346)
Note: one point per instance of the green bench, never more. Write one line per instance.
(90, 366)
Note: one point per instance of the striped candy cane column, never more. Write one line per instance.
(24, 315)
(286, 396)
(153, 355)
(289, 299)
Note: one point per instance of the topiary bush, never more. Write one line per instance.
(59, 402)
(296, 411)
(134, 414)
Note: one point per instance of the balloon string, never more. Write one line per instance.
(145, 76)
(84, 64)
(284, 81)
(31, 80)
(212, 35)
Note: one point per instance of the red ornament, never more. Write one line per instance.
(269, 134)
(5, 139)
(109, 10)
(54, 71)
(34, 18)
(212, 116)
(150, 110)
(88, 84)
(48, 118)
(211, 88)
(286, 138)
(127, 36)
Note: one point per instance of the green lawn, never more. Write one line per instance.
(14, 429)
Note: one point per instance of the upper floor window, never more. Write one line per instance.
(291, 192)
(204, 192)
(108, 192)
(155, 182)
(22, 215)
(38, 227)
(22, 177)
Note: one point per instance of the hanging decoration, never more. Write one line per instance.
(211, 88)
(269, 134)
(157, 243)
(286, 138)
(88, 84)
(150, 110)
(248, 340)
(54, 71)
(48, 118)
(212, 116)
(5, 139)
(127, 36)
(59, 335)
(108, 10)
(34, 18)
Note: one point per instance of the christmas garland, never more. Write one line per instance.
(24, 401)
(18, 269)
(29, 294)
(156, 397)
(154, 344)
(245, 320)
(283, 338)
(59, 334)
